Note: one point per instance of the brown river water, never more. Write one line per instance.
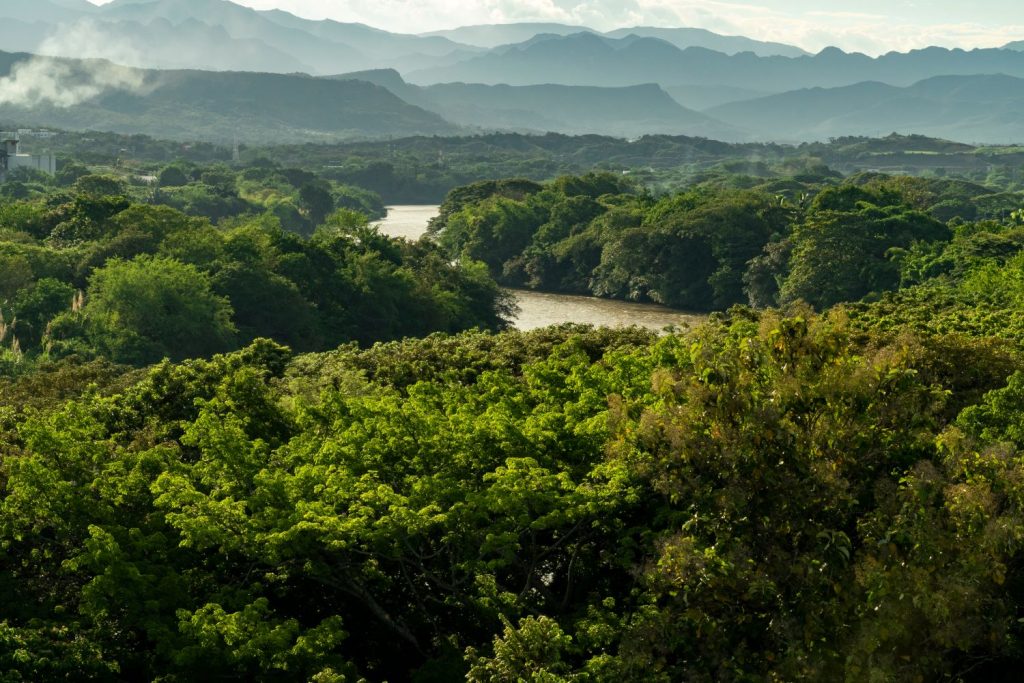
(540, 309)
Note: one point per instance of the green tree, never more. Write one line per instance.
(140, 311)
(35, 306)
(172, 176)
(845, 255)
(316, 201)
(98, 186)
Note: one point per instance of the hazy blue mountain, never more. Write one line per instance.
(701, 97)
(698, 37)
(587, 59)
(1016, 45)
(417, 61)
(628, 111)
(246, 39)
(982, 109)
(372, 42)
(493, 35)
(242, 23)
(159, 44)
(392, 80)
(218, 106)
(623, 112)
(188, 44)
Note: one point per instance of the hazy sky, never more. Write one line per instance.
(872, 26)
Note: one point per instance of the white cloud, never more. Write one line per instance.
(41, 80)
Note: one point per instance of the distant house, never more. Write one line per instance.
(11, 157)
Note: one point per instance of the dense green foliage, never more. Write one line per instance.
(777, 495)
(300, 199)
(89, 271)
(766, 499)
(726, 240)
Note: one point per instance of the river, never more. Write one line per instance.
(540, 309)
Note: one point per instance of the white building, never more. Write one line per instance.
(11, 157)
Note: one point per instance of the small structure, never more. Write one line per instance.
(11, 157)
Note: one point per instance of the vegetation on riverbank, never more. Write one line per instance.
(730, 240)
(101, 270)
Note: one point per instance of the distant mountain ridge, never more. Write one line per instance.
(489, 36)
(494, 35)
(218, 61)
(697, 37)
(296, 44)
(588, 59)
(288, 43)
(624, 112)
(983, 109)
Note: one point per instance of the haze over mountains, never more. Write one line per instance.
(492, 36)
(589, 59)
(969, 108)
(629, 111)
(522, 77)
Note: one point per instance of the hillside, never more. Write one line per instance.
(625, 112)
(221, 106)
(965, 108)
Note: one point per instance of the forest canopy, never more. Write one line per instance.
(98, 271)
(246, 436)
(725, 241)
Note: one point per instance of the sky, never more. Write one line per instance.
(870, 26)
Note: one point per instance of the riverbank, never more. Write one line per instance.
(543, 309)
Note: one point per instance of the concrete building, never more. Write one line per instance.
(11, 157)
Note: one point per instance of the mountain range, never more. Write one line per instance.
(221, 35)
(589, 59)
(145, 32)
(212, 69)
(495, 35)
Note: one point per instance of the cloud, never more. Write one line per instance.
(45, 80)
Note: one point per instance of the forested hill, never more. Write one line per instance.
(207, 105)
